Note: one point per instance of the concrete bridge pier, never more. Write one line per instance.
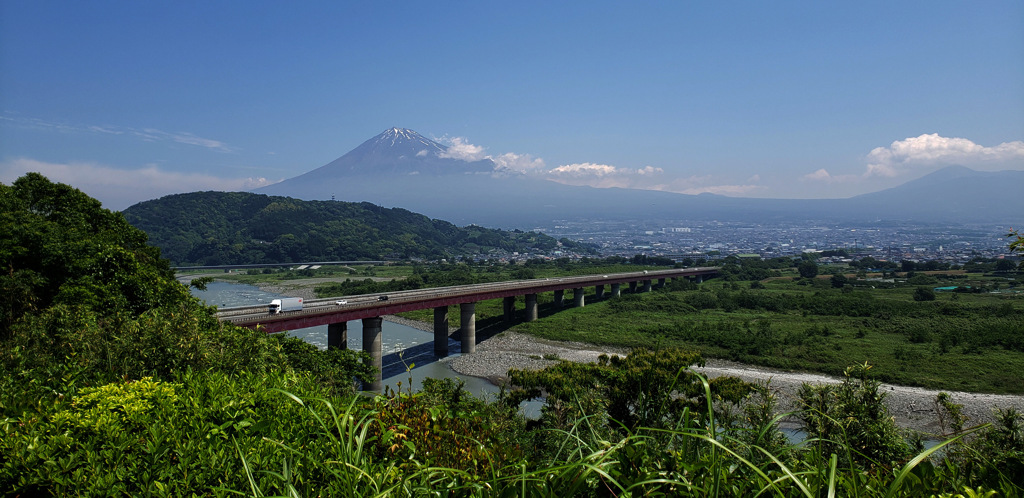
(647, 286)
(509, 308)
(337, 335)
(467, 329)
(559, 298)
(441, 331)
(577, 297)
(700, 279)
(616, 290)
(531, 307)
(661, 283)
(632, 287)
(599, 291)
(371, 345)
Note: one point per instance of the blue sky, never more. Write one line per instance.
(132, 100)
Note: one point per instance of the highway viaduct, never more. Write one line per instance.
(370, 308)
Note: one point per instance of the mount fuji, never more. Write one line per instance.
(401, 168)
(395, 152)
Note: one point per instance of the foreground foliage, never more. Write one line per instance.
(265, 434)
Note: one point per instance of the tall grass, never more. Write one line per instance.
(694, 456)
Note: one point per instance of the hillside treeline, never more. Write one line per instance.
(215, 228)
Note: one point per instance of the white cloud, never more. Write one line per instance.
(823, 176)
(583, 170)
(820, 175)
(928, 151)
(459, 148)
(604, 175)
(522, 163)
(597, 175)
(510, 162)
(119, 188)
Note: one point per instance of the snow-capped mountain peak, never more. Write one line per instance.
(405, 139)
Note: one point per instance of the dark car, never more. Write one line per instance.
(382, 298)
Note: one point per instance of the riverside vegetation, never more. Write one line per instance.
(115, 381)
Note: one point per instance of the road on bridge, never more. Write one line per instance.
(336, 312)
(326, 311)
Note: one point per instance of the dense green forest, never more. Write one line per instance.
(219, 228)
(114, 381)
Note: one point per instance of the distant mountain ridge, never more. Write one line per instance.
(402, 168)
(955, 192)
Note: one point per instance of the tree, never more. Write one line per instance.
(1005, 265)
(808, 269)
(87, 301)
(924, 294)
(62, 247)
(839, 280)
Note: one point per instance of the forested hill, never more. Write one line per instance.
(212, 228)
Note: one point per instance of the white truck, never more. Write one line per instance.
(285, 304)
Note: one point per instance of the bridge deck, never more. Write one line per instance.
(326, 311)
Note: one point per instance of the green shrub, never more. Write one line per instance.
(851, 420)
(924, 294)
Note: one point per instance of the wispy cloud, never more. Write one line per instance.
(929, 151)
(145, 134)
(119, 188)
(729, 190)
(710, 184)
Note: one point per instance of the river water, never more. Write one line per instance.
(408, 352)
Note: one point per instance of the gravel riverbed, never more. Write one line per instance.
(912, 407)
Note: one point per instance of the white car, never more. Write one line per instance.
(342, 302)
